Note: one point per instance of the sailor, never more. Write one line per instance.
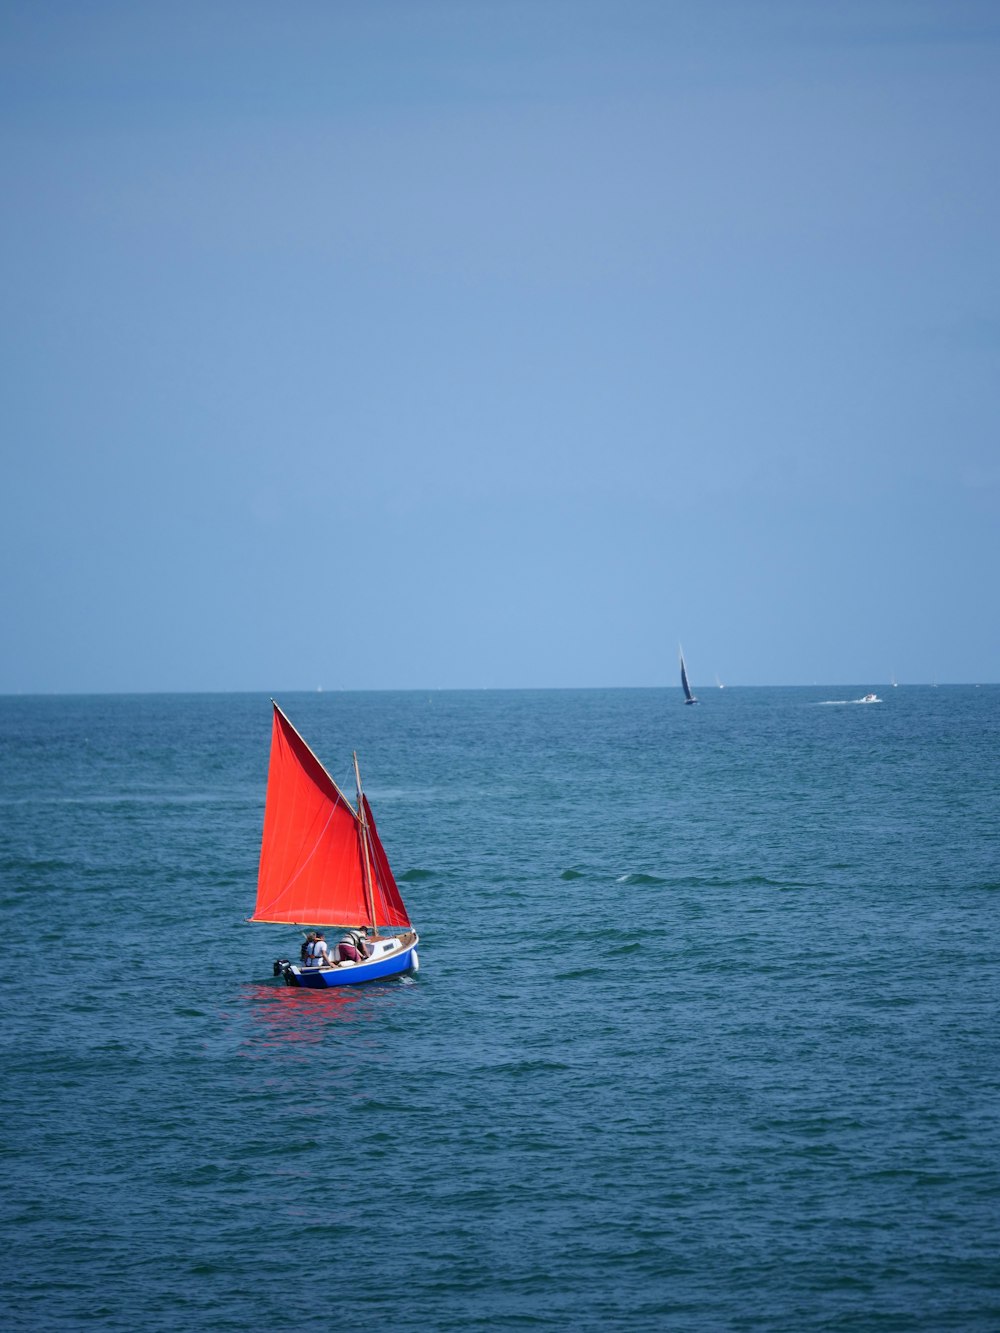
(350, 948)
(305, 953)
(317, 954)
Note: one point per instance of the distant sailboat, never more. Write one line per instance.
(719, 682)
(688, 696)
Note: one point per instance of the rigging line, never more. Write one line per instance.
(314, 756)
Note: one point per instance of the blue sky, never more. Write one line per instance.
(448, 344)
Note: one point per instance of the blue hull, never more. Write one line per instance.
(352, 974)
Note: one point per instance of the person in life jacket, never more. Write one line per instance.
(316, 954)
(350, 948)
(305, 953)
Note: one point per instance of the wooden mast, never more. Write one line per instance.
(364, 846)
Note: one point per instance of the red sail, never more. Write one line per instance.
(311, 862)
(389, 907)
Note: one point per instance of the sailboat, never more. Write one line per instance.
(323, 865)
(688, 696)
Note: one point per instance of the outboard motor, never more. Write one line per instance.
(279, 966)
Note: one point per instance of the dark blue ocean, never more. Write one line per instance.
(705, 1035)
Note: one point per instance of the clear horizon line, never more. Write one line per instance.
(271, 692)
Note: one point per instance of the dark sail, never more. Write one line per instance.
(688, 696)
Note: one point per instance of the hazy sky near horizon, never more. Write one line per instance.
(446, 343)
